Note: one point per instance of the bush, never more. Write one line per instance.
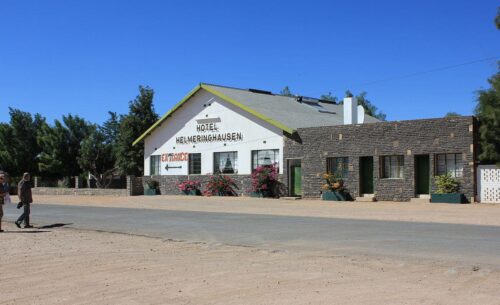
(220, 185)
(332, 183)
(446, 184)
(265, 179)
(152, 184)
(189, 185)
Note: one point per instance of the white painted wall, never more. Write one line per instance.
(257, 135)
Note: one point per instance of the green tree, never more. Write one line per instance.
(18, 142)
(61, 146)
(286, 91)
(328, 97)
(488, 112)
(497, 19)
(452, 114)
(130, 159)
(370, 108)
(97, 158)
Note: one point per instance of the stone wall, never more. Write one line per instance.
(78, 192)
(407, 138)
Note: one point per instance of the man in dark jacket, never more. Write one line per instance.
(24, 193)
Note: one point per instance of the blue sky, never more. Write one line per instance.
(88, 57)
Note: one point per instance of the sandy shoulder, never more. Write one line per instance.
(67, 266)
(476, 214)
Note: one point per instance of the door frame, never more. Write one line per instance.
(291, 164)
(417, 176)
(361, 177)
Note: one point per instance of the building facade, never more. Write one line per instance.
(218, 129)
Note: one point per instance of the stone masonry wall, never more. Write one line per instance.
(407, 138)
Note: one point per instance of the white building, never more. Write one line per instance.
(232, 131)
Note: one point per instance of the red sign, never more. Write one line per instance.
(174, 157)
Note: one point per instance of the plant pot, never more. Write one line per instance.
(334, 196)
(448, 198)
(150, 192)
(256, 194)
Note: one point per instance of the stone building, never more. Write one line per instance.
(232, 131)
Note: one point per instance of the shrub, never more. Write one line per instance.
(189, 185)
(446, 184)
(152, 184)
(265, 179)
(220, 185)
(332, 183)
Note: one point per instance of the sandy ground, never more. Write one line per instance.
(67, 266)
(478, 214)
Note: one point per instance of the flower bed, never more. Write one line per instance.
(265, 181)
(190, 187)
(220, 185)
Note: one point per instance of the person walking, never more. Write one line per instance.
(3, 191)
(24, 194)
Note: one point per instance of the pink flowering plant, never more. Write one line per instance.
(220, 185)
(265, 179)
(189, 185)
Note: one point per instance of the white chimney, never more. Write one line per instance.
(350, 110)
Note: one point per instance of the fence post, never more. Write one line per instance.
(36, 181)
(77, 182)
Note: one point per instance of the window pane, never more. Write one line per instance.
(154, 165)
(194, 167)
(441, 164)
(387, 167)
(265, 157)
(226, 162)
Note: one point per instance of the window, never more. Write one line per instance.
(265, 157)
(194, 164)
(337, 166)
(226, 162)
(449, 163)
(154, 165)
(392, 166)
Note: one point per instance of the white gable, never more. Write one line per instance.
(207, 124)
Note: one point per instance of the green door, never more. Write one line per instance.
(422, 174)
(366, 175)
(296, 173)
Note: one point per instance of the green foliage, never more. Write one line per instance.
(97, 157)
(446, 184)
(152, 184)
(328, 97)
(61, 146)
(497, 19)
(286, 91)
(18, 142)
(488, 112)
(332, 183)
(370, 109)
(130, 159)
(451, 114)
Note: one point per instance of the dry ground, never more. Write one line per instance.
(66, 266)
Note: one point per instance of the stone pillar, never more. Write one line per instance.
(78, 182)
(134, 186)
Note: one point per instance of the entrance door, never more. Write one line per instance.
(295, 178)
(366, 175)
(422, 174)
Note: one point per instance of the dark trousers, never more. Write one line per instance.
(25, 216)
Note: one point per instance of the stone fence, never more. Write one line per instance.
(133, 187)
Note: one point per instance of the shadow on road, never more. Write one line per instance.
(25, 232)
(55, 225)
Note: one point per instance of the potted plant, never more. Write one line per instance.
(151, 187)
(190, 187)
(447, 190)
(220, 185)
(333, 189)
(264, 181)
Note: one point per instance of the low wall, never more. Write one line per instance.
(78, 192)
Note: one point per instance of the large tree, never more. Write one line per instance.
(18, 142)
(488, 112)
(130, 159)
(97, 158)
(61, 146)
